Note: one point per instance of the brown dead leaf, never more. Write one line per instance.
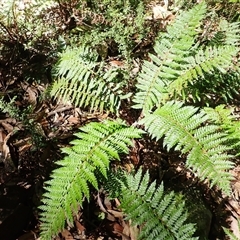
(8, 127)
(73, 120)
(234, 226)
(160, 13)
(116, 63)
(115, 228)
(116, 214)
(67, 235)
(31, 93)
(80, 227)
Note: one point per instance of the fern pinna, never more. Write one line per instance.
(98, 143)
(184, 128)
(159, 214)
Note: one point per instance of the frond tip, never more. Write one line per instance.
(184, 129)
(97, 144)
(161, 215)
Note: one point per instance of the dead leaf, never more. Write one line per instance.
(160, 13)
(73, 120)
(234, 226)
(80, 227)
(116, 214)
(67, 235)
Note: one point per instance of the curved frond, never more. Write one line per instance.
(184, 128)
(171, 49)
(85, 83)
(97, 144)
(160, 215)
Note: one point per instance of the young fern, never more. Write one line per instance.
(85, 83)
(160, 215)
(96, 146)
(182, 128)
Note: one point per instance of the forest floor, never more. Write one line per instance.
(30, 144)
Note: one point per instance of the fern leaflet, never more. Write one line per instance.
(98, 143)
(205, 61)
(183, 129)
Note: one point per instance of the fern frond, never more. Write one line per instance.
(97, 144)
(171, 49)
(184, 129)
(226, 119)
(161, 215)
(84, 82)
(205, 61)
(227, 34)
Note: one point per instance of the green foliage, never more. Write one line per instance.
(8, 107)
(172, 48)
(87, 83)
(96, 146)
(28, 28)
(181, 62)
(112, 23)
(182, 128)
(225, 118)
(160, 215)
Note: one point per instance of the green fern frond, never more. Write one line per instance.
(184, 129)
(171, 49)
(225, 118)
(85, 83)
(160, 215)
(97, 144)
(205, 61)
(227, 34)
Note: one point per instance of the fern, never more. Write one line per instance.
(226, 119)
(199, 135)
(98, 143)
(160, 215)
(183, 129)
(172, 48)
(180, 62)
(227, 34)
(83, 82)
(210, 60)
